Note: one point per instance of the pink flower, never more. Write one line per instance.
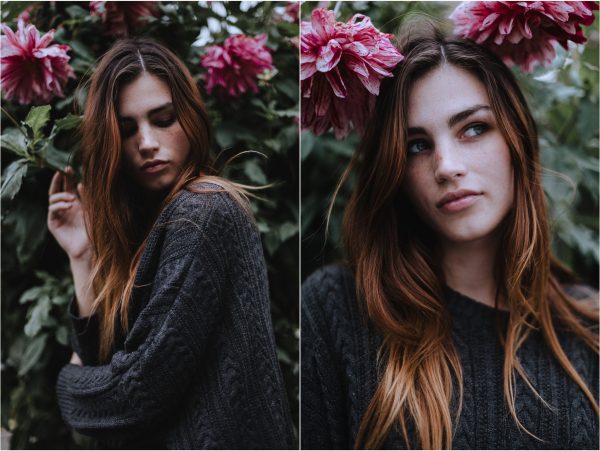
(25, 15)
(341, 68)
(234, 66)
(32, 71)
(523, 33)
(120, 18)
(292, 10)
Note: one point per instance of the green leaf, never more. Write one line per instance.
(13, 178)
(25, 226)
(292, 112)
(263, 227)
(82, 50)
(14, 140)
(308, 143)
(37, 118)
(39, 316)
(254, 172)
(31, 295)
(45, 277)
(55, 158)
(68, 122)
(289, 88)
(62, 335)
(287, 230)
(32, 354)
(61, 300)
(76, 11)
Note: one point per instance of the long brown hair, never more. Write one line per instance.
(399, 277)
(117, 227)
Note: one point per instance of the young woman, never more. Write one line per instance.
(451, 325)
(173, 344)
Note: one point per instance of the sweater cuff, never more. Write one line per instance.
(85, 335)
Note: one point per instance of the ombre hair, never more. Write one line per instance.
(117, 227)
(398, 274)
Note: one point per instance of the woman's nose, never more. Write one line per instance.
(449, 163)
(147, 141)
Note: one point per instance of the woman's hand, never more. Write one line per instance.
(75, 360)
(65, 216)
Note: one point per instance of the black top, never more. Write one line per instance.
(198, 368)
(339, 376)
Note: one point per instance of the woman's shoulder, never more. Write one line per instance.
(328, 283)
(209, 205)
(329, 295)
(206, 198)
(207, 212)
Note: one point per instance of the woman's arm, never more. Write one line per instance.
(67, 225)
(147, 380)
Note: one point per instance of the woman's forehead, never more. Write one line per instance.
(145, 93)
(442, 93)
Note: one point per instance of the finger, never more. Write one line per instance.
(55, 183)
(59, 206)
(80, 190)
(67, 197)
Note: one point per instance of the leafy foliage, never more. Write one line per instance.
(564, 101)
(36, 279)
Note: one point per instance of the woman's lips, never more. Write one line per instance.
(458, 201)
(154, 167)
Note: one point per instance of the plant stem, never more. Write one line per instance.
(14, 121)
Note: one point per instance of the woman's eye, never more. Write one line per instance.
(475, 130)
(128, 130)
(165, 121)
(416, 147)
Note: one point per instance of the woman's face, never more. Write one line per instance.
(154, 144)
(459, 174)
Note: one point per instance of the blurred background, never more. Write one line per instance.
(39, 134)
(564, 101)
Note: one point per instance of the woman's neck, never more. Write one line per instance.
(469, 269)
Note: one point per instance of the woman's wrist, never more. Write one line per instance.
(81, 268)
(84, 256)
(75, 359)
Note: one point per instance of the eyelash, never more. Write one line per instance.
(484, 129)
(162, 122)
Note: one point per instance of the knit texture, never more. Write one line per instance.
(198, 368)
(340, 376)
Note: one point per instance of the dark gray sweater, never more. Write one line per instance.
(339, 376)
(198, 368)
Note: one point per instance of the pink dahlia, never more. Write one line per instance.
(32, 71)
(120, 18)
(291, 12)
(523, 33)
(341, 68)
(234, 66)
(25, 15)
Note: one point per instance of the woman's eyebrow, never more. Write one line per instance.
(416, 131)
(160, 108)
(152, 112)
(458, 117)
(452, 121)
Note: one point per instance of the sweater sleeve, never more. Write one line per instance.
(147, 380)
(323, 402)
(84, 335)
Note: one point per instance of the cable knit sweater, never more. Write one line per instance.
(339, 376)
(198, 368)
